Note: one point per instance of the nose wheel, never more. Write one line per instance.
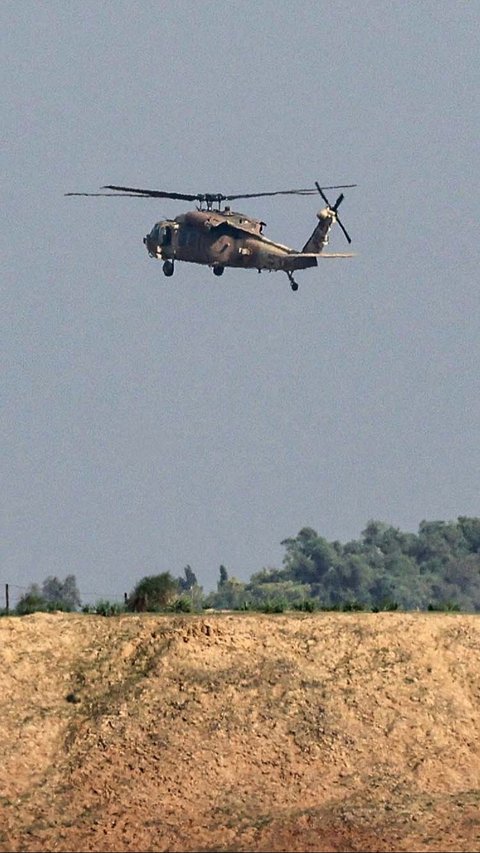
(168, 268)
(293, 283)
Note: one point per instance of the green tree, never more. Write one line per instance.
(191, 594)
(470, 528)
(54, 594)
(189, 581)
(230, 595)
(52, 589)
(349, 580)
(270, 575)
(404, 581)
(31, 602)
(62, 593)
(290, 592)
(462, 578)
(438, 541)
(308, 557)
(153, 593)
(380, 539)
(374, 533)
(384, 567)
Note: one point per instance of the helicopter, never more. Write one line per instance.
(221, 237)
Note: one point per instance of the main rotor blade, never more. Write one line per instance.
(218, 197)
(320, 190)
(135, 192)
(307, 191)
(112, 195)
(152, 193)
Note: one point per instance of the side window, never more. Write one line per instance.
(183, 236)
(186, 236)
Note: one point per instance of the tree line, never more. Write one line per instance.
(437, 568)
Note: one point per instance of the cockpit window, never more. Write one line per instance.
(162, 234)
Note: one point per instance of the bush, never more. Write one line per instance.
(107, 608)
(351, 606)
(181, 605)
(309, 605)
(153, 593)
(276, 605)
(30, 603)
(385, 606)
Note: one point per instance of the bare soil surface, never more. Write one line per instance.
(240, 732)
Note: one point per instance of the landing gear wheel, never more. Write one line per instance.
(168, 268)
(218, 270)
(293, 283)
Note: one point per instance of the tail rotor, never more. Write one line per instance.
(334, 208)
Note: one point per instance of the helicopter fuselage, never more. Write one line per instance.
(223, 239)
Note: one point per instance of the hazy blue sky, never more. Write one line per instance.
(150, 422)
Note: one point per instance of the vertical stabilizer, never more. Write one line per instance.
(319, 239)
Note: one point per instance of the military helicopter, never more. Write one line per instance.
(220, 237)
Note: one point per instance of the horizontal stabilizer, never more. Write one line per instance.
(336, 255)
(302, 260)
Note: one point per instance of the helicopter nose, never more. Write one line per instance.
(148, 242)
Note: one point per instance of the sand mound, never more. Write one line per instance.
(321, 732)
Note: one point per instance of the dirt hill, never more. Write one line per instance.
(240, 732)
